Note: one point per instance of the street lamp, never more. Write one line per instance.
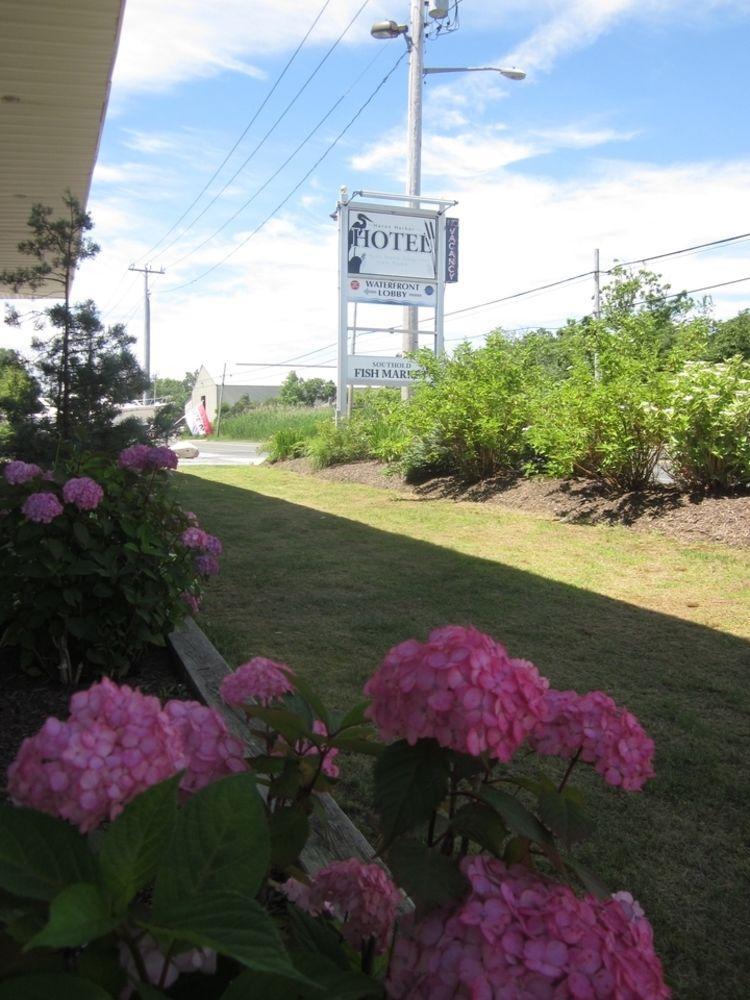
(414, 36)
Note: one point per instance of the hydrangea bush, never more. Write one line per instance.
(98, 561)
(145, 853)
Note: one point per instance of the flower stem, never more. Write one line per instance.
(569, 770)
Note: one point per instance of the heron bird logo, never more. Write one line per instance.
(356, 260)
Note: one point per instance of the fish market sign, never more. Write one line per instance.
(391, 291)
(369, 370)
(396, 244)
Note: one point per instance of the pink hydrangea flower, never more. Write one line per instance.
(134, 458)
(260, 680)
(211, 750)
(116, 743)
(162, 458)
(191, 517)
(194, 538)
(17, 473)
(84, 492)
(213, 546)
(518, 936)
(42, 508)
(142, 458)
(206, 564)
(195, 960)
(362, 896)
(609, 737)
(460, 688)
(192, 601)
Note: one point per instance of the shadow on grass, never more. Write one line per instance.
(330, 595)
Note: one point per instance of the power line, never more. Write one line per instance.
(297, 186)
(247, 128)
(676, 253)
(257, 147)
(289, 158)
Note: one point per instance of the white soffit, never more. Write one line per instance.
(56, 61)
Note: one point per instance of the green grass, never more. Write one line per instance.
(263, 423)
(326, 577)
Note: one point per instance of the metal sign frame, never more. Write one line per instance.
(378, 203)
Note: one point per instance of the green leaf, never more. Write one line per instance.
(515, 815)
(266, 764)
(354, 717)
(220, 842)
(591, 882)
(314, 934)
(482, 825)
(312, 699)
(40, 855)
(337, 984)
(565, 816)
(78, 915)
(410, 781)
(290, 725)
(231, 924)
(289, 828)
(429, 878)
(58, 986)
(134, 844)
(82, 535)
(466, 766)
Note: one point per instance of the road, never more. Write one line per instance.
(212, 452)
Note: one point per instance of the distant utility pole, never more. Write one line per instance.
(597, 291)
(145, 271)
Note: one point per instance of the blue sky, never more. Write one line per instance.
(628, 135)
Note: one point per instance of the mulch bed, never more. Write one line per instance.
(691, 517)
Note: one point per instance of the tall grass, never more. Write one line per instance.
(263, 423)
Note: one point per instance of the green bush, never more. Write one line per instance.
(338, 444)
(92, 578)
(610, 428)
(289, 442)
(709, 423)
(469, 411)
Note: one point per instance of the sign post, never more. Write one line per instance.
(396, 254)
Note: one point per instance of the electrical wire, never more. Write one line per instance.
(247, 128)
(297, 186)
(286, 162)
(257, 147)
(677, 253)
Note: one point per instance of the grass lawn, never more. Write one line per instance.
(326, 577)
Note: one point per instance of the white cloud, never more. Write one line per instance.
(479, 152)
(164, 44)
(569, 25)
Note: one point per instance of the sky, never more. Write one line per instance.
(226, 142)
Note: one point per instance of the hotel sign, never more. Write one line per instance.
(397, 244)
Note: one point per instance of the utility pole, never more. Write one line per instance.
(415, 39)
(145, 271)
(597, 292)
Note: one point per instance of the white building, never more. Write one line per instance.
(207, 392)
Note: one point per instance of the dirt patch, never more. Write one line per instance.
(692, 517)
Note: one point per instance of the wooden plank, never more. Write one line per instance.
(334, 839)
